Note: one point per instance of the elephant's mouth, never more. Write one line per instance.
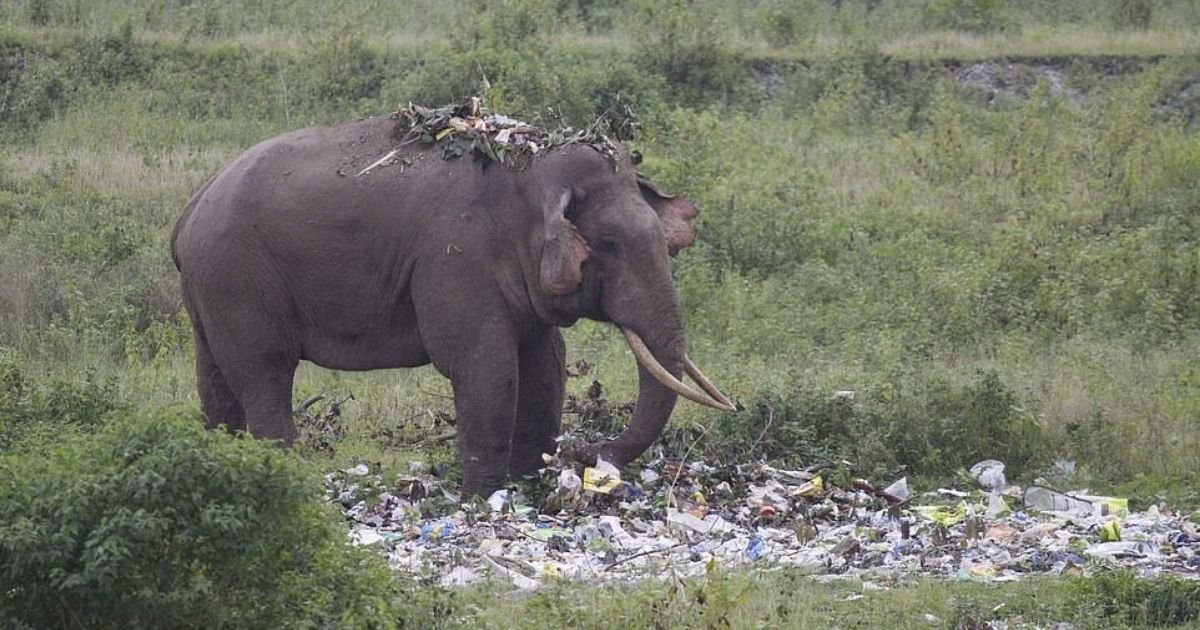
(712, 396)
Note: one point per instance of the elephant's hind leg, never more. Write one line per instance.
(217, 400)
(539, 405)
(263, 384)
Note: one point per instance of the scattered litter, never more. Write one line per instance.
(365, 537)
(755, 548)
(679, 519)
(899, 489)
(499, 500)
(1105, 506)
(990, 474)
(1050, 500)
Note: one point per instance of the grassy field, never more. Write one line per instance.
(980, 216)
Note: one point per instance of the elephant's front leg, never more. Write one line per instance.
(485, 401)
(463, 325)
(539, 404)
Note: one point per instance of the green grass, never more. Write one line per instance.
(1001, 268)
(789, 599)
(1042, 43)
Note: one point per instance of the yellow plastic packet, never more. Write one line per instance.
(809, 488)
(1110, 532)
(945, 515)
(1107, 506)
(602, 481)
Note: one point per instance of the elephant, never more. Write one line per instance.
(306, 247)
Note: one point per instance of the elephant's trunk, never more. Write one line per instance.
(661, 363)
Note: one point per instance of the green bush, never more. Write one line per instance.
(686, 44)
(1131, 14)
(36, 412)
(934, 430)
(155, 522)
(956, 427)
(35, 88)
(977, 16)
(1130, 601)
(346, 70)
(788, 22)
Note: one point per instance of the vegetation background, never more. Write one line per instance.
(979, 216)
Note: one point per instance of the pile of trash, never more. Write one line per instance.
(467, 128)
(676, 519)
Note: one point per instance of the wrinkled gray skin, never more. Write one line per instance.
(288, 255)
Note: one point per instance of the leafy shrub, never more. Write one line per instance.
(1137, 602)
(110, 59)
(1131, 14)
(980, 421)
(978, 16)
(35, 88)
(346, 70)
(596, 16)
(934, 430)
(684, 43)
(30, 409)
(156, 522)
(509, 25)
(785, 23)
(37, 83)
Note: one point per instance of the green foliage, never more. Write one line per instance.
(974, 16)
(596, 16)
(786, 23)
(781, 599)
(684, 42)
(34, 88)
(931, 430)
(1131, 601)
(345, 71)
(522, 25)
(157, 522)
(34, 411)
(1131, 14)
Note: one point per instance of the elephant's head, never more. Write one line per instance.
(606, 241)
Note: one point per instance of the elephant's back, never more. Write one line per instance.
(308, 158)
(281, 175)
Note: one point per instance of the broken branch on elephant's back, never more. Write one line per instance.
(378, 162)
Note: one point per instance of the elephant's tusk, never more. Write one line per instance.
(703, 382)
(647, 360)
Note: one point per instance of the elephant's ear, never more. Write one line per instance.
(676, 214)
(564, 250)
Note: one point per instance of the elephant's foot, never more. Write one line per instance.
(527, 461)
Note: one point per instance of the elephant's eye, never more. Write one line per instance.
(609, 245)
